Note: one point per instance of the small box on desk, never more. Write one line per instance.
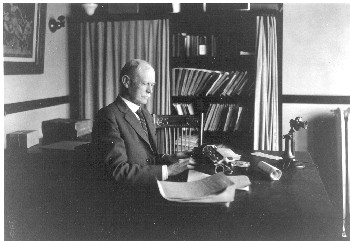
(22, 139)
(60, 129)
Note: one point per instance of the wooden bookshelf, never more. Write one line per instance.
(230, 41)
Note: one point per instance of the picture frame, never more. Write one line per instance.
(24, 38)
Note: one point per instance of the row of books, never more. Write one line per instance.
(194, 82)
(223, 117)
(219, 117)
(185, 45)
(184, 109)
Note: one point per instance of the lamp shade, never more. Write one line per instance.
(89, 8)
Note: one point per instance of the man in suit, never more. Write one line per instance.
(128, 149)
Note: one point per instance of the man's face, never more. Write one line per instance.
(141, 87)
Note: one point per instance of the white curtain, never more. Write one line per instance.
(106, 46)
(266, 125)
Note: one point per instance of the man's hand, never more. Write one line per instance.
(181, 165)
(173, 158)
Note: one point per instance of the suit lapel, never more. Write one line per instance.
(133, 121)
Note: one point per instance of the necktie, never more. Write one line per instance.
(142, 120)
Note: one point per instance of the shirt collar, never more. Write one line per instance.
(133, 107)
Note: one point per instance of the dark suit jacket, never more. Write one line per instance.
(124, 146)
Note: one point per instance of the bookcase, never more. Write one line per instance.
(213, 71)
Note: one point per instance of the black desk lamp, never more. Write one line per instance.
(289, 153)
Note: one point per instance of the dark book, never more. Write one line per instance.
(178, 108)
(208, 116)
(228, 117)
(183, 80)
(179, 80)
(202, 82)
(184, 109)
(65, 129)
(212, 46)
(196, 46)
(233, 76)
(210, 83)
(190, 109)
(242, 84)
(217, 118)
(233, 89)
(220, 86)
(177, 44)
(186, 84)
(239, 118)
(233, 118)
(214, 118)
(193, 81)
(173, 45)
(223, 116)
(174, 74)
(182, 45)
(248, 89)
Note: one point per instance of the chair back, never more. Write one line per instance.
(178, 133)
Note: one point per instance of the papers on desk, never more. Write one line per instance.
(242, 182)
(217, 188)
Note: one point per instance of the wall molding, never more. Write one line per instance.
(35, 104)
(315, 99)
(286, 99)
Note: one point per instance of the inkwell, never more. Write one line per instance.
(289, 153)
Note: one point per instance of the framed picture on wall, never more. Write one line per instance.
(24, 38)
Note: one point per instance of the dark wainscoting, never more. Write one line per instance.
(35, 104)
(315, 99)
(286, 99)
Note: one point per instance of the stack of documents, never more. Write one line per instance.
(217, 188)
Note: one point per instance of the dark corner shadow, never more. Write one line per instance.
(74, 57)
(322, 145)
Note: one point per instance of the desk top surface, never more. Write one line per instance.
(299, 191)
(296, 207)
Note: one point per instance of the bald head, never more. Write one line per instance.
(134, 66)
(137, 79)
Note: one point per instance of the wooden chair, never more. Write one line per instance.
(178, 133)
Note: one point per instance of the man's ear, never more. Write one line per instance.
(126, 81)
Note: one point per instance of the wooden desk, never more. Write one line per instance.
(296, 207)
(57, 197)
